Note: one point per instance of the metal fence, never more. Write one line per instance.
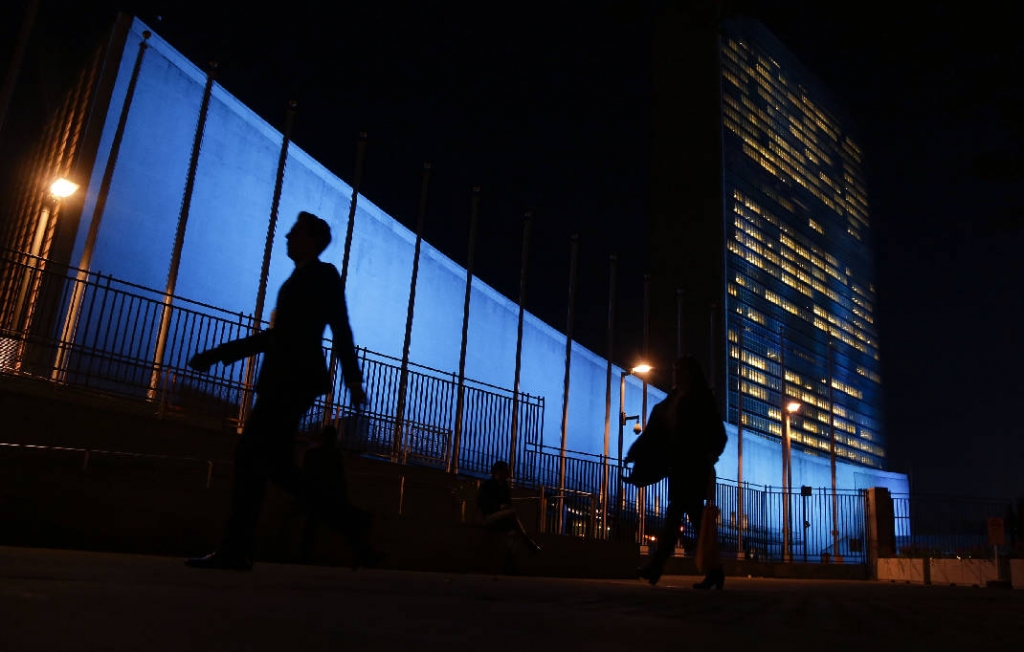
(947, 527)
(816, 526)
(108, 343)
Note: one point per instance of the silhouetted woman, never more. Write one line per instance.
(697, 439)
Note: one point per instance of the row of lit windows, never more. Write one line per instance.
(854, 187)
(830, 265)
(777, 89)
(765, 387)
(765, 371)
(802, 283)
(747, 227)
(774, 96)
(838, 322)
(775, 161)
(853, 151)
(854, 205)
(763, 127)
(838, 329)
(764, 425)
(797, 131)
(811, 418)
(794, 386)
(756, 289)
(870, 375)
(777, 84)
(819, 428)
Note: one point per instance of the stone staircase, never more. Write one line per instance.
(87, 471)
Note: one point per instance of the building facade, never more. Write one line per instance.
(761, 219)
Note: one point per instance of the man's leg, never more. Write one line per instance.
(254, 459)
(669, 534)
(507, 520)
(326, 501)
(266, 444)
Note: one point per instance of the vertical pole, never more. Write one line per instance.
(523, 269)
(350, 226)
(642, 491)
(832, 455)
(785, 451)
(398, 445)
(31, 265)
(332, 365)
(543, 512)
(803, 521)
(574, 247)
(622, 422)
(460, 399)
(78, 290)
(275, 202)
(739, 447)
(605, 489)
(179, 235)
(268, 247)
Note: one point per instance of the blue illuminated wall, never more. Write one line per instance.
(224, 242)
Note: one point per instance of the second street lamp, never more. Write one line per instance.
(792, 407)
(639, 369)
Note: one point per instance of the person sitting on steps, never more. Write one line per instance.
(494, 500)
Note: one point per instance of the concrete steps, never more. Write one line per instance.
(86, 472)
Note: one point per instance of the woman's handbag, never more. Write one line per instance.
(707, 540)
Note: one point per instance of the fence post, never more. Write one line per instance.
(880, 527)
(592, 526)
(542, 526)
(401, 494)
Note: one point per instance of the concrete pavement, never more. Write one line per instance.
(66, 600)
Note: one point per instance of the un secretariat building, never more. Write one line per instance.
(760, 226)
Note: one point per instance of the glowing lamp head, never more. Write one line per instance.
(63, 188)
(641, 369)
(792, 407)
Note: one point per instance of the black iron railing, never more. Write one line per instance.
(947, 527)
(94, 331)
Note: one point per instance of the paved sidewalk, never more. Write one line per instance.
(57, 600)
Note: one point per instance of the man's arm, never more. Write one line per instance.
(344, 348)
(231, 352)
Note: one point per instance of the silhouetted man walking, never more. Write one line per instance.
(293, 374)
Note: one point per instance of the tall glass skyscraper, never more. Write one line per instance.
(760, 217)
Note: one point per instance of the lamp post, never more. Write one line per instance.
(791, 408)
(59, 190)
(639, 369)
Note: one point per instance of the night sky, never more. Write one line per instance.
(547, 108)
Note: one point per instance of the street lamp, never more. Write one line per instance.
(60, 189)
(792, 407)
(63, 188)
(639, 369)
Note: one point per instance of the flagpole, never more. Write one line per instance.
(460, 400)
(523, 270)
(179, 235)
(574, 248)
(399, 448)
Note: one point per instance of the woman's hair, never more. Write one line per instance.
(687, 370)
(499, 466)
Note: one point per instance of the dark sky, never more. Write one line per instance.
(547, 107)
